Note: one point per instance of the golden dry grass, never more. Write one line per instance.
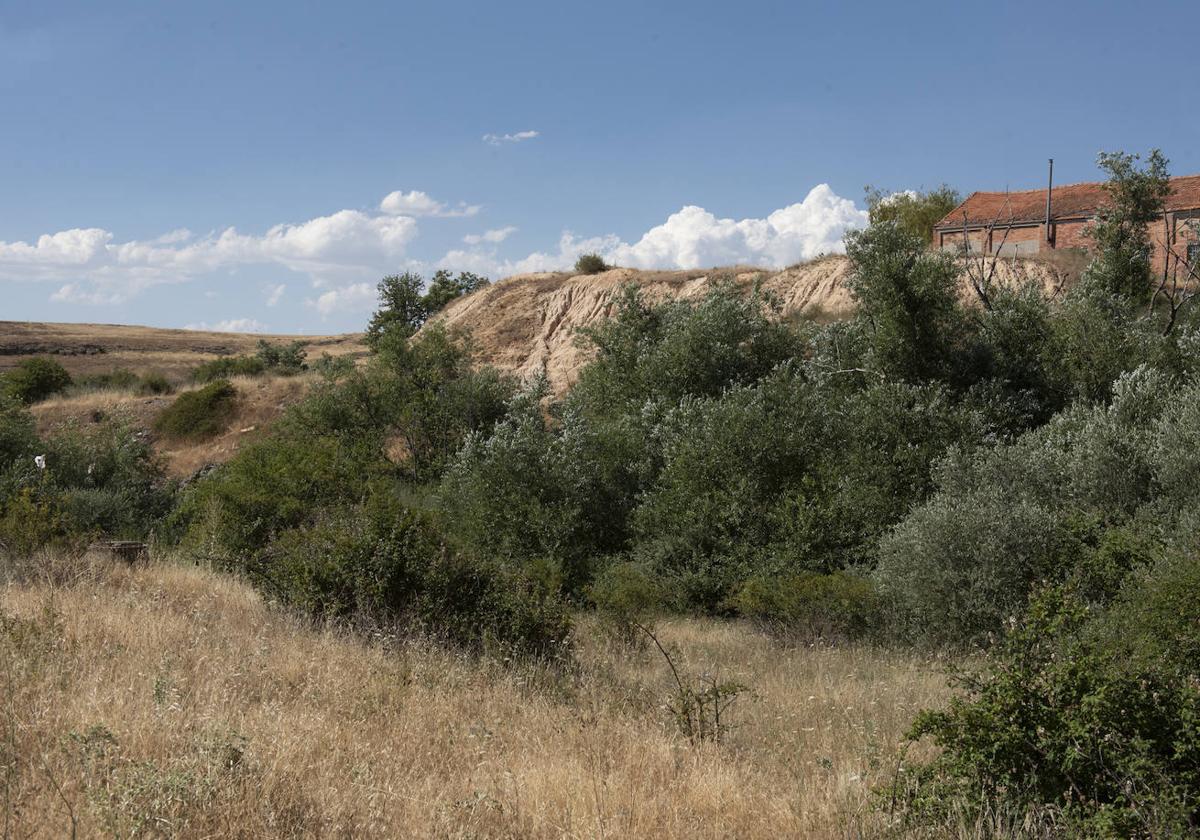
(170, 701)
(85, 349)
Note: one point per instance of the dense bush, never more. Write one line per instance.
(1085, 725)
(590, 264)
(123, 379)
(200, 414)
(80, 482)
(282, 481)
(386, 565)
(35, 379)
(809, 605)
(226, 366)
(279, 359)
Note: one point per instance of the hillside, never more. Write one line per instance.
(522, 325)
(530, 323)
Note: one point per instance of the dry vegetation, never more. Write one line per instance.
(261, 400)
(87, 349)
(170, 701)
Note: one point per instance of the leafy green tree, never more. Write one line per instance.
(445, 287)
(914, 213)
(909, 297)
(402, 308)
(1136, 197)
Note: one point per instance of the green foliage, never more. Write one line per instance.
(403, 309)
(627, 596)
(591, 264)
(1086, 725)
(282, 481)
(809, 605)
(333, 367)
(909, 297)
(154, 384)
(33, 380)
(387, 565)
(444, 287)
(914, 213)
(436, 398)
(95, 479)
(281, 359)
(228, 366)
(1137, 197)
(28, 522)
(18, 438)
(962, 565)
(105, 479)
(200, 414)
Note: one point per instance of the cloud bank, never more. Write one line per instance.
(695, 238)
(344, 254)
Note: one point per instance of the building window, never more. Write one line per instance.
(1193, 255)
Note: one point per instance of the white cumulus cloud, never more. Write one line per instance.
(92, 267)
(695, 238)
(418, 203)
(516, 137)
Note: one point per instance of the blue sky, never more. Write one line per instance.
(260, 165)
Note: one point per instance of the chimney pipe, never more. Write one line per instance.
(1049, 192)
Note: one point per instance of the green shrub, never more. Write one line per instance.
(961, 567)
(116, 379)
(35, 379)
(333, 367)
(282, 359)
(627, 597)
(591, 264)
(809, 605)
(154, 384)
(28, 522)
(106, 480)
(200, 414)
(385, 565)
(18, 437)
(227, 366)
(1079, 725)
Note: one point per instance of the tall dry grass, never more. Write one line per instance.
(171, 701)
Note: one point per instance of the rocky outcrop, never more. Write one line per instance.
(530, 323)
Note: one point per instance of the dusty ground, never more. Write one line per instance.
(170, 701)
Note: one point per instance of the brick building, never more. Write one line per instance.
(1018, 223)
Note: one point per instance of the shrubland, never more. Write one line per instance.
(1010, 481)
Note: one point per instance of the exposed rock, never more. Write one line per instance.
(530, 323)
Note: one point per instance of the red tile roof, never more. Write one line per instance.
(1070, 201)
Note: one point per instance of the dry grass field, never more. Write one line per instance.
(88, 349)
(171, 701)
